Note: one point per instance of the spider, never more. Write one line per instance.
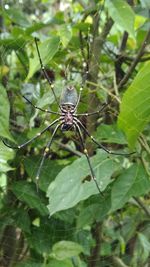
(68, 120)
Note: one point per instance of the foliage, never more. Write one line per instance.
(64, 221)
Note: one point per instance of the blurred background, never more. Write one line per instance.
(63, 221)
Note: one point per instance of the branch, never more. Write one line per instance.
(95, 252)
(97, 45)
(123, 42)
(94, 62)
(136, 61)
(119, 73)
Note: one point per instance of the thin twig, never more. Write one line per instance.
(144, 144)
(68, 148)
(118, 262)
(136, 61)
(143, 206)
(145, 165)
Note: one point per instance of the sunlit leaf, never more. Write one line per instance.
(66, 249)
(122, 13)
(47, 50)
(17, 16)
(135, 106)
(65, 33)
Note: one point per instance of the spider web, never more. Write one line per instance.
(68, 225)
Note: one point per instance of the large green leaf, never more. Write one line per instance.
(133, 182)
(47, 50)
(4, 113)
(27, 193)
(66, 249)
(135, 106)
(122, 14)
(69, 187)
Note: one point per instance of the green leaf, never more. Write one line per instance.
(70, 186)
(65, 34)
(110, 134)
(22, 220)
(94, 212)
(66, 249)
(145, 4)
(57, 263)
(121, 12)
(133, 182)
(4, 114)
(17, 16)
(135, 106)
(47, 50)
(48, 98)
(35, 27)
(145, 245)
(27, 193)
(49, 170)
(13, 43)
(30, 263)
(45, 232)
(6, 154)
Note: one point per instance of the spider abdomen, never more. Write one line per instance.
(69, 96)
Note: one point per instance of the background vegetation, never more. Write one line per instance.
(66, 222)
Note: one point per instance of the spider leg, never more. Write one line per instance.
(46, 150)
(93, 113)
(44, 110)
(87, 157)
(78, 100)
(45, 73)
(36, 136)
(100, 145)
(85, 76)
